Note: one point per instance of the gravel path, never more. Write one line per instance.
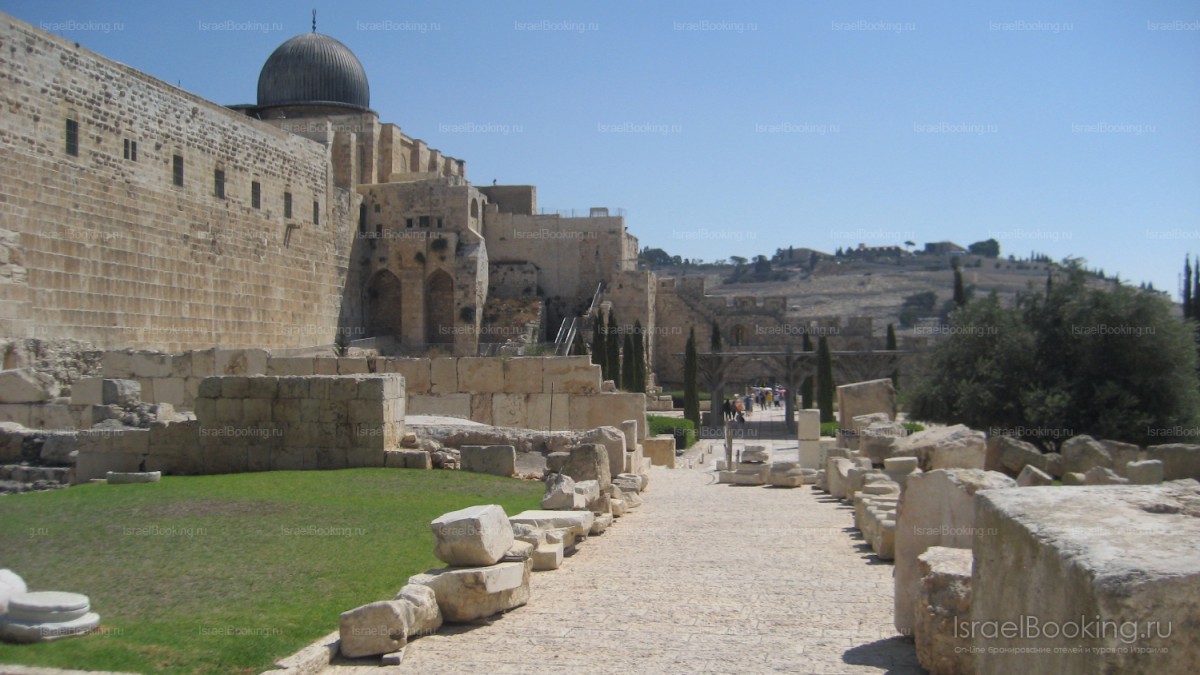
(703, 578)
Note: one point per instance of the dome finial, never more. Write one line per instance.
(314, 20)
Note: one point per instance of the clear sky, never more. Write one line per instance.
(1070, 128)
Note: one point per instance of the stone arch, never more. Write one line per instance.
(474, 208)
(384, 306)
(439, 308)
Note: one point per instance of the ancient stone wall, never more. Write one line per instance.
(261, 424)
(100, 244)
(553, 393)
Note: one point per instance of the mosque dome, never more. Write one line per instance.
(313, 69)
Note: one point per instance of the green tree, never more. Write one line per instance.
(988, 248)
(714, 338)
(960, 294)
(825, 387)
(639, 357)
(691, 381)
(612, 342)
(890, 345)
(1108, 362)
(628, 370)
(599, 348)
(806, 393)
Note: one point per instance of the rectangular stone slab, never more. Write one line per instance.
(579, 522)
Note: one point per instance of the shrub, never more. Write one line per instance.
(682, 429)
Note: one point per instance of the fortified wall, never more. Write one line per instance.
(135, 213)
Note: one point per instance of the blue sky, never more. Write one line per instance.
(1068, 128)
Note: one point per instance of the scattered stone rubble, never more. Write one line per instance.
(490, 555)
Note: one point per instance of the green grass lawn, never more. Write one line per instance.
(226, 574)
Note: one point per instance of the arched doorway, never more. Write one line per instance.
(439, 308)
(384, 311)
(738, 335)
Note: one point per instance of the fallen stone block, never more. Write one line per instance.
(25, 385)
(120, 478)
(628, 482)
(953, 447)
(785, 474)
(943, 603)
(1145, 472)
(612, 440)
(589, 461)
(878, 438)
(578, 522)
(1099, 475)
(602, 523)
(1180, 460)
(756, 454)
(469, 593)
(497, 460)
(937, 508)
(1118, 563)
(426, 617)
(1032, 476)
(372, 629)
(519, 551)
(618, 507)
(838, 474)
(561, 494)
(1081, 453)
(883, 541)
(555, 461)
(474, 536)
(1072, 478)
(548, 557)
(589, 490)
(1016, 454)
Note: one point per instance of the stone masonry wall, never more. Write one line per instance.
(261, 423)
(106, 248)
(550, 393)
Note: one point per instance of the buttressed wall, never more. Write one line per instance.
(102, 245)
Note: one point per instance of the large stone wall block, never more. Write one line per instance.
(936, 509)
(476, 535)
(497, 460)
(471, 593)
(1110, 571)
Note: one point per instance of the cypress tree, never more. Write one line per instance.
(891, 346)
(691, 381)
(578, 347)
(1196, 289)
(628, 371)
(599, 349)
(639, 357)
(612, 342)
(806, 393)
(960, 294)
(825, 380)
(1187, 288)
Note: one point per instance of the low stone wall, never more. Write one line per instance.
(261, 424)
(549, 393)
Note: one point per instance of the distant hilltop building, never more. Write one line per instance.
(944, 248)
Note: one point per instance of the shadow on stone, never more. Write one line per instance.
(896, 654)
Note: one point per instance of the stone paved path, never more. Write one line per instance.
(703, 578)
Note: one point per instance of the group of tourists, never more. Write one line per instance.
(736, 409)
